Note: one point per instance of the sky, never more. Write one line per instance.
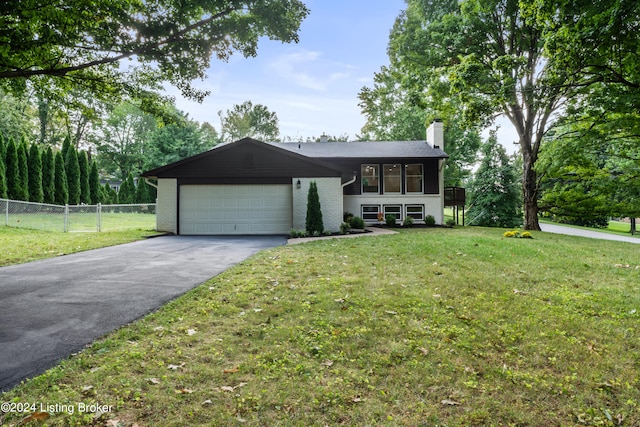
(313, 85)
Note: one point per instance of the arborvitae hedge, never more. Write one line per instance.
(23, 167)
(12, 172)
(127, 192)
(72, 169)
(3, 175)
(61, 191)
(48, 172)
(35, 175)
(94, 184)
(314, 223)
(83, 165)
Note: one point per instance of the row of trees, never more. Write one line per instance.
(30, 173)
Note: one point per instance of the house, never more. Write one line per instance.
(253, 187)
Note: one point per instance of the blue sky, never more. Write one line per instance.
(312, 86)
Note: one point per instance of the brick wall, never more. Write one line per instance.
(167, 207)
(330, 194)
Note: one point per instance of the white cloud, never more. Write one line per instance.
(306, 69)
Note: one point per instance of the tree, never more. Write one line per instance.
(122, 138)
(503, 57)
(72, 169)
(83, 166)
(12, 172)
(3, 175)
(246, 120)
(61, 190)
(127, 192)
(73, 43)
(48, 176)
(36, 193)
(314, 224)
(23, 169)
(495, 200)
(94, 184)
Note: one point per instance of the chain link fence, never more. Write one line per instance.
(78, 218)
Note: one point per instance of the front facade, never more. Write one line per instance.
(252, 187)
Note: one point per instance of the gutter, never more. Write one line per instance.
(355, 176)
(146, 180)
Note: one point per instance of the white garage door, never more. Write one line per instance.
(235, 209)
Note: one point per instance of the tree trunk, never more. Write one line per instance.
(530, 193)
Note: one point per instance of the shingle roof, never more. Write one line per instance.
(370, 149)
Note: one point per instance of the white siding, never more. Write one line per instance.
(167, 207)
(331, 200)
(433, 204)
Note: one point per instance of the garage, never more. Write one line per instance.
(235, 209)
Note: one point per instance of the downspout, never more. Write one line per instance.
(146, 180)
(355, 176)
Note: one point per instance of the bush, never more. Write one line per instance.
(390, 220)
(429, 221)
(451, 222)
(408, 222)
(356, 222)
(314, 223)
(297, 233)
(345, 228)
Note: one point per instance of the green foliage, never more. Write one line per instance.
(494, 189)
(61, 189)
(48, 176)
(407, 222)
(12, 172)
(314, 224)
(23, 170)
(390, 220)
(3, 175)
(127, 192)
(63, 46)
(356, 222)
(72, 169)
(248, 120)
(345, 228)
(94, 184)
(429, 221)
(36, 193)
(83, 166)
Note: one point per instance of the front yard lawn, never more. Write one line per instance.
(453, 327)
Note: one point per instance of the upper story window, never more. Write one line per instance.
(392, 174)
(414, 178)
(370, 179)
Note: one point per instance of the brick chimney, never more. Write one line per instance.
(435, 134)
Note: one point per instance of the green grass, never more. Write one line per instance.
(23, 245)
(83, 221)
(453, 327)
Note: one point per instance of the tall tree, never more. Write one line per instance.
(127, 192)
(248, 120)
(23, 169)
(505, 57)
(94, 184)
(48, 176)
(72, 169)
(174, 142)
(36, 193)
(494, 195)
(83, 166)
(3, 175)
(12, 171)
(61, 192)
(314, 224)
(65, 44)
(122, 139)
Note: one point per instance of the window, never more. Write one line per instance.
(414, 178)
(370, 212)
(370, 179)
(395, 210)
(392, 178)
(415, 211)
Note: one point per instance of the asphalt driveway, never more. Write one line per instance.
(52, 308)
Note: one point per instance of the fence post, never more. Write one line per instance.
(99, 216)
(66, 218)
(6, 219)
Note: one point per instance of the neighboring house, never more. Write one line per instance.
(253, 187)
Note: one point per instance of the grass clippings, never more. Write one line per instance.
(455, 327)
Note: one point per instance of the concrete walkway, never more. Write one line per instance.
(370, 231)
(570, 231)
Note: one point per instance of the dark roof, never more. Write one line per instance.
(368, 149)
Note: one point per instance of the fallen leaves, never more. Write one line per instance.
(231, 370)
